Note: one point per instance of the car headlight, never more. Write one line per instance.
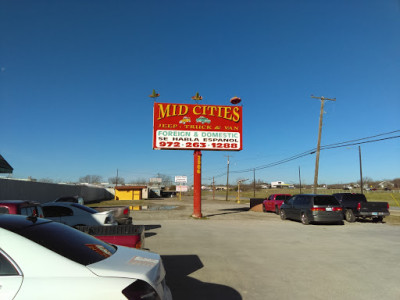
(140, 290)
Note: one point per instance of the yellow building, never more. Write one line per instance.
(129, 192)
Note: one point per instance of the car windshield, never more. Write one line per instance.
(325, 200)
(69, 242)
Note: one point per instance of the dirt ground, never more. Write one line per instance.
(235, 253)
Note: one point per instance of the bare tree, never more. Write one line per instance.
(142, 181)
(166, 179)
(396, 182)
(367, 181)
(116, 180)
(91, 179)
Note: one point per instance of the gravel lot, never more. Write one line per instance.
(234, 253)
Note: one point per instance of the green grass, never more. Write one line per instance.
(392, 197)
(393, 220)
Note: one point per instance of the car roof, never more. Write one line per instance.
(67, 197)
(19, 202)
(312, 195)
(70, 205)
(16, 223)
(59, 203)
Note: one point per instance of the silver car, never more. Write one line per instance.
(42, 259)
(75, 214)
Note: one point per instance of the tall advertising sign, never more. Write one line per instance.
(192, 126)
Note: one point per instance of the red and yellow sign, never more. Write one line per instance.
(192, 126)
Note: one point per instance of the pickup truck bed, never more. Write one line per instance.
(356, 206)
(123, 235)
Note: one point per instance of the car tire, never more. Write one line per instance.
(282, 214)
(304, 219)
(277, 210)
(349, 215)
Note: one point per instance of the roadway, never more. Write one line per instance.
(233, 253)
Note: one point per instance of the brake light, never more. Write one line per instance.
(337, 209)
(318, 209)
(126, 211)
(388, 206)
(358, 206)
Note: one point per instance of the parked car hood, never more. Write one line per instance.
(131, 263)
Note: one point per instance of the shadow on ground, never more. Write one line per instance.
(183, 287)
(150, 227)
(228, 211)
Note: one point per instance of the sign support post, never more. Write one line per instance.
(197, 184)
(197, 127)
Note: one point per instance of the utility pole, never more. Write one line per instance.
(361, 179)
(254, 182)
(116, 179)
(239, 182)
(213, 189)
(319, 139)
(227, 179)
(300, 179)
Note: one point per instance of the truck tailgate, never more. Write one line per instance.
(123, 235)
(374, 207)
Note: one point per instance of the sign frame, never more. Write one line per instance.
(197, 126)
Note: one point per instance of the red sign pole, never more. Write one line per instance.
(197, 184)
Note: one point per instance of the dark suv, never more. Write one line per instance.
(312, 208)
(21, 207)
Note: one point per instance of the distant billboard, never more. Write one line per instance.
(156, 180)
(181, 179)
(181, 188)
(192, 126)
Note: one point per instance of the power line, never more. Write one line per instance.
(312, 151)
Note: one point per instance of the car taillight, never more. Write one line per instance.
(126, 211)
(337, 209)
(358, 206)
(318, 209)
(138, 245)
(388, 206)
(140, 290)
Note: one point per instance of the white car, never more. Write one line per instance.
(42, 259)
(75, 214)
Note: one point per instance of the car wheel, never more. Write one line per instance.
(349, 215)
(277, 210)
(304, 219)
(282, 214)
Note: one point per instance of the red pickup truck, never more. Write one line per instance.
(124, 235)
(274, 202)
(21, 207)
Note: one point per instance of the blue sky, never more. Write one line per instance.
(76, 75)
